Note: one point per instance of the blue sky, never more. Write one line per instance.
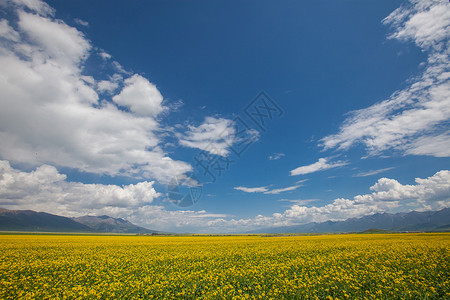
(104, 103)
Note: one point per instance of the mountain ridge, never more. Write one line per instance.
(29, 220)
(411, 221)
(111, 225)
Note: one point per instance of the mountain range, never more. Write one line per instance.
(411, 221)
(28, 220)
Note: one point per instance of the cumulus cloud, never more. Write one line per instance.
(432, 192)
(52, 112)
(320, 165)
(419, 113)
(175, 221)
(45, 189)
(389, 195)
(54, 39)
(108, 86)
(140, 96)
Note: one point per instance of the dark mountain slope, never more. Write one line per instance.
(28, 220)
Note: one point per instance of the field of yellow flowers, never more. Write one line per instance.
(390, 266)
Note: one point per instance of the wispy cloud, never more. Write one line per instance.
(299, 201)
(437, 145)
(276, 156)
(372, 172)
(320, 165)
(214, 135)
(412, 120)
(303, 180)
(265, 190)
(281, 190)
(104, 55)
(81, 22)
(251, 190)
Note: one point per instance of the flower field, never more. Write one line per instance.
(390, 266)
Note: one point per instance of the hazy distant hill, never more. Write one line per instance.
(28, 220)
(412, 221)
(109, 224)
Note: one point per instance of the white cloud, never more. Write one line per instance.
(372, 172)
(140, 96)
(54, 39)
(418, 113)
(117, 66)
(276, 156)
(107, 86)
(251, 190)
(424, 22)
(45, 189)
(81, 22)
(51, 114)
(432, 193)
(36, 6)
(214, 135)
(265, 190)
(175, 221)
(320, 165)
(8, 32)
(438, 145)
(281, 190)
(299, 201)
(104, 55)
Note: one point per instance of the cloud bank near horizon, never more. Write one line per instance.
(45, 189)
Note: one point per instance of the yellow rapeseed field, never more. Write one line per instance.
(391, 266)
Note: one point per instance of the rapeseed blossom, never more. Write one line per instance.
(391, 266)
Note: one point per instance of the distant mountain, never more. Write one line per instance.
(412, 221)
(28, 220)
(112, 225)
